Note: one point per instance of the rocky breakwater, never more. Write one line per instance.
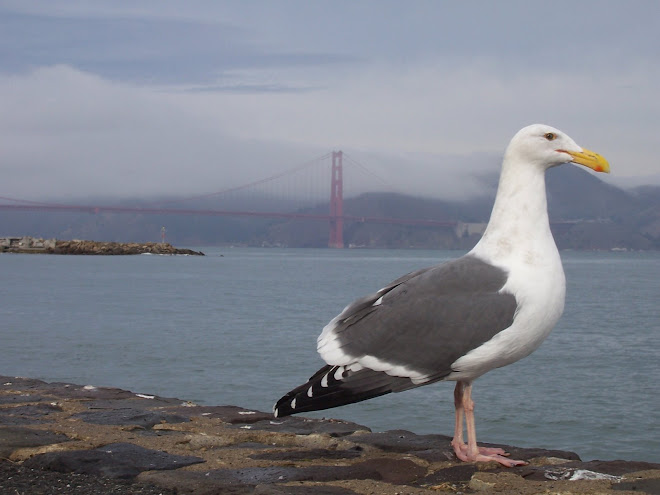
(57, 437)
(117, 248)
(54, 246)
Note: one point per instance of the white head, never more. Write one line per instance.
(547, 147)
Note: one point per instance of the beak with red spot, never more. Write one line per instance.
(589, 159)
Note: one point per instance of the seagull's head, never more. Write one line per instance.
(547, 147)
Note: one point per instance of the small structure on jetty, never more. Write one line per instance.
(26, 243)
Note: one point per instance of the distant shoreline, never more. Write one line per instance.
(37, 245)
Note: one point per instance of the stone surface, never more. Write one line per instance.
(306, 426)
(27, 414)
(13, 438)
(303, 455)
(116, 460)
(89, 434)
(17, 479)
(139, 417)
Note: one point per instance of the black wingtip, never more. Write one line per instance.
(334, 386)
(288, 404)
(283, 407)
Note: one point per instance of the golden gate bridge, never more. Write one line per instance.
(303, 191)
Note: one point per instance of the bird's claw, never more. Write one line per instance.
(486, 454)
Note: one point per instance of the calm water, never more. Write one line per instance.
(241, 329)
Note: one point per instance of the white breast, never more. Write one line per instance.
(537, 281)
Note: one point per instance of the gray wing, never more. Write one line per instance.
(405, 335)
(423, 321)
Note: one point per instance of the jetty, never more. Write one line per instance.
(37, 245)
(67, 438)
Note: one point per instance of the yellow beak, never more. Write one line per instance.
(590, 159)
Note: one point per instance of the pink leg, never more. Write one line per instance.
(457, 442)
(471, 452)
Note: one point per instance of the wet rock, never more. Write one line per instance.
(389, 470)
(119, 460)
(614, 468)
(301, 490)
(138, 417)
(31, 386)
(305, 455)
(396, 471)
(227, 414)
(211, 483)
(461, 473)
(19, 398)
(526, 454)
(17, 479)
(307, 426)
(27, 414)
(573, 471)
(650, 486)
(404, 441)
(12, 438)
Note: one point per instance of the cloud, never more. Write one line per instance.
(153, 99)
(69, 132)
(66, 132)
(443, 109)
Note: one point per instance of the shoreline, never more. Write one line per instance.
(108, 440)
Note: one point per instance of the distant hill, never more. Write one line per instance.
(586, 212)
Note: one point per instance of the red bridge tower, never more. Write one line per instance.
(336, 239)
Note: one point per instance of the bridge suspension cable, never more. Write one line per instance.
(367, 171)
(270, 178)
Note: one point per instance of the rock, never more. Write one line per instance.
(139, 417)
(228, 414)
(27, 414)
(53, 246)
(307, 426)
(17, 479)
(306, 455)
(650, 486)
(117, 248)
(118, 460)
(117, 434)
(13, 438)
(479, 484)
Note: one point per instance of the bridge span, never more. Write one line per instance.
(335, 217)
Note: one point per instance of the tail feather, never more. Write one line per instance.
(334, 386)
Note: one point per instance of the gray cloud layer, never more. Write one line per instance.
(150, 98)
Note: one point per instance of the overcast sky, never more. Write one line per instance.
(145, 98)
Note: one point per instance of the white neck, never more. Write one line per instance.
(519, 220)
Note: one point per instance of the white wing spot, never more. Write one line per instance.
(378, 301)
(293, 404)
(324, 381)
(309, 392)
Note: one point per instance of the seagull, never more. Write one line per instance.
(457, 320)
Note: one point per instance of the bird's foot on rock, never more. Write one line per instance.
(485, 454)
(463, 448)
(504, 461)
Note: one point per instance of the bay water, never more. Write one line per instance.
(239, 326)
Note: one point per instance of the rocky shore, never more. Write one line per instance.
(65, 438)
(54, 246)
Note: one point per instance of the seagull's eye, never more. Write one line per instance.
(550, 136)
